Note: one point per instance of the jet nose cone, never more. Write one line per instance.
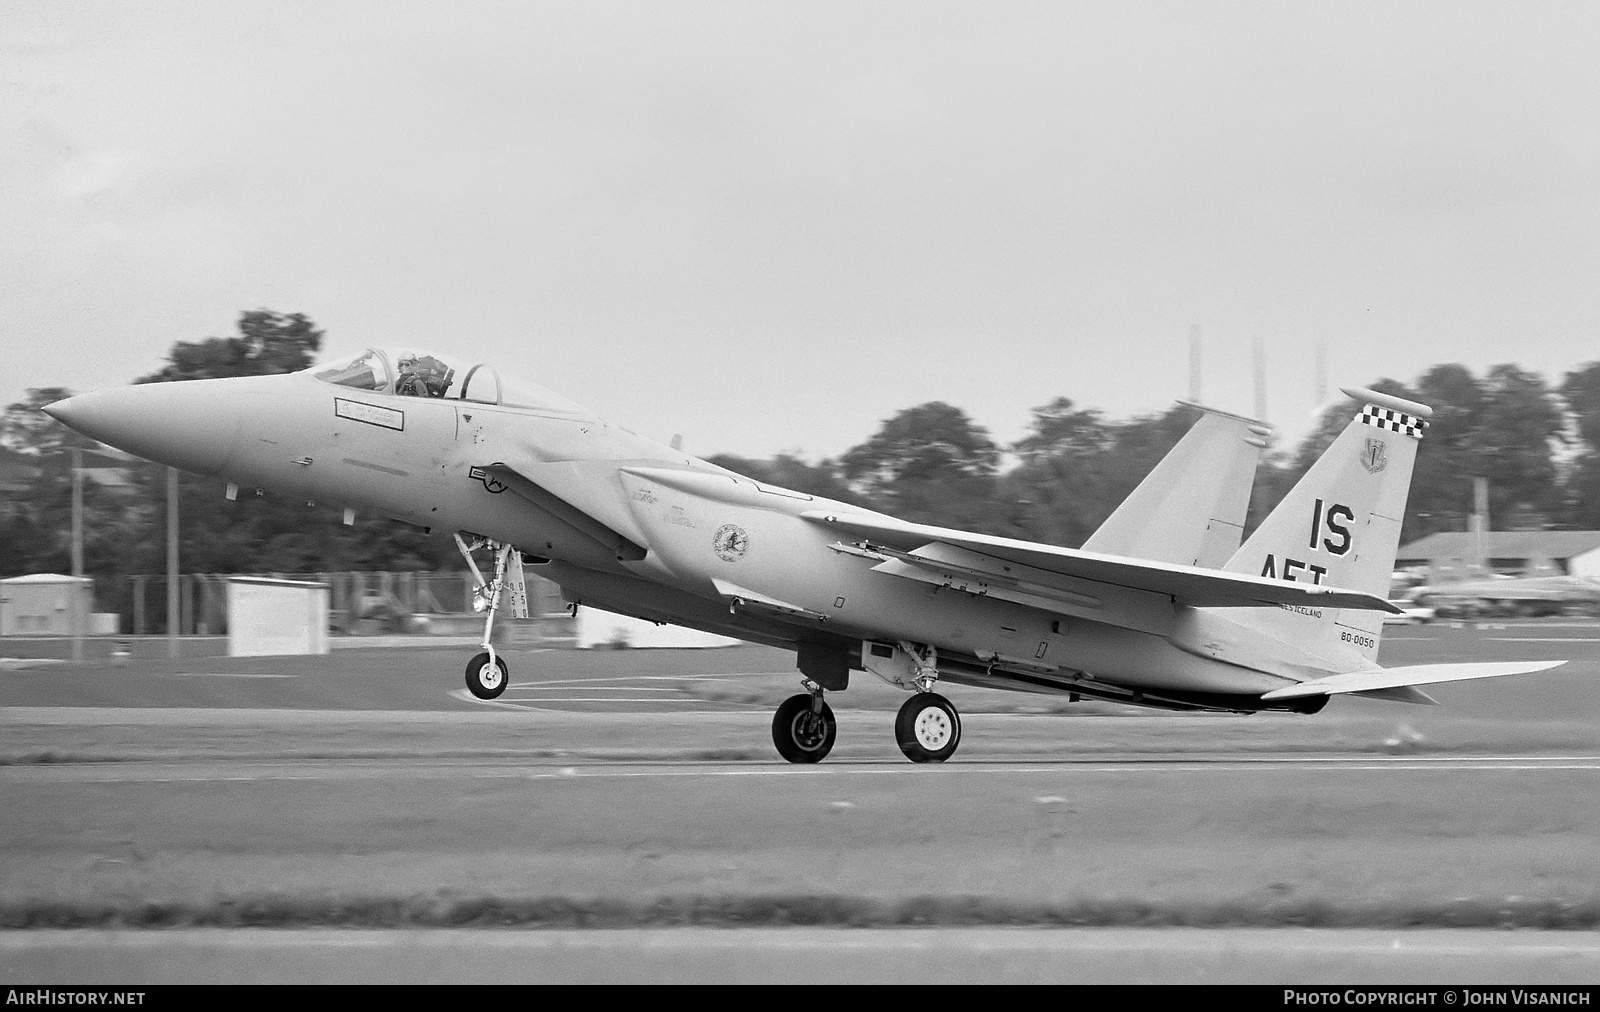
(188, 425)
(85, 413)
(63, 411)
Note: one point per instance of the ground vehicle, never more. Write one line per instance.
(1412, 612)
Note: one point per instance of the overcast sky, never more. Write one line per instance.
(769, 226)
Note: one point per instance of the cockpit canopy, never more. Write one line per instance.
(407, 372)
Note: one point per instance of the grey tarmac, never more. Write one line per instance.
(295, 822)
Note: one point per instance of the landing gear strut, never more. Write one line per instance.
(927, 728)
(487, 675)
(803, 729)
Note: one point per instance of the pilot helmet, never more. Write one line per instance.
(427, 371)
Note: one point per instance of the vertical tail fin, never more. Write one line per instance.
(1191, 508)
(1340, 526)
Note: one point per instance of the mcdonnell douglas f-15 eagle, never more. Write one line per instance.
(1162, 607)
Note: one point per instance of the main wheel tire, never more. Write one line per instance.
(485, 680)
(928, 728)
(802, 734)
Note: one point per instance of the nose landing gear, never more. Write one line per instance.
(487, 675)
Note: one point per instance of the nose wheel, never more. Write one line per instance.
(803, 729)
(486, 676)
(928, 728)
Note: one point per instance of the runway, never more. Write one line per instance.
(638, 792)
(803, 956)
(464, 769)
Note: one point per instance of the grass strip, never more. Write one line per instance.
(823, 910)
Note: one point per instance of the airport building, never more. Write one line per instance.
(1510, 553)
(44, 604)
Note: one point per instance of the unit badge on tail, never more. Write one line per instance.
(1375, 457)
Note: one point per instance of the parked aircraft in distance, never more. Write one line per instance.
(1162, 608)
(1556, 594)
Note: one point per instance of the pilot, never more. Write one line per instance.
(423, 376)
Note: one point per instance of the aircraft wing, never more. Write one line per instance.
(920, 544)
(1416, 674)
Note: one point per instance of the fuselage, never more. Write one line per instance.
(565, 486)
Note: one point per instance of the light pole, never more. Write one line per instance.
(77, 615)
(172, 562)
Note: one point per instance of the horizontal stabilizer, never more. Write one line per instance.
(1399, 694)
(1416, 674)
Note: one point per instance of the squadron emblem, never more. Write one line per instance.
(730, 542)
(1375, 457)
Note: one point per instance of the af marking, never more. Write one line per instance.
(1290, 567)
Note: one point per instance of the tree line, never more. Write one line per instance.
(1538, 445)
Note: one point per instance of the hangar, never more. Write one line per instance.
(1511, 553)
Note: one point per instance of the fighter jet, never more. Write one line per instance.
(1162, 608)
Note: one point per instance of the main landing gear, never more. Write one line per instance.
(803, 729)
(487, 674)
(927, 728)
